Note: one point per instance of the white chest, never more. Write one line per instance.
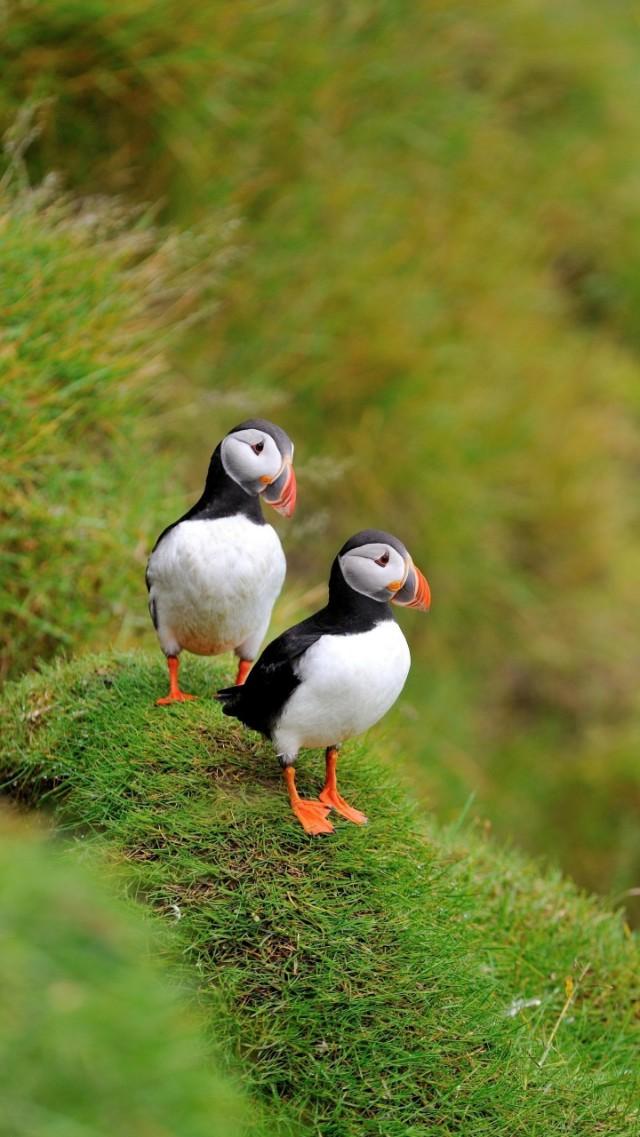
(347, 684)
(214, 583)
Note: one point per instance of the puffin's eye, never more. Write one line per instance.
(383, 560)
(258, 447)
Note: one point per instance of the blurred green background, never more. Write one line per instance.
(410, 234)
(96, 1040)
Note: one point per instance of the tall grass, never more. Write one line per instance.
(92, 298)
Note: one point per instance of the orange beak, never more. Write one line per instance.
(415, 592)
(282, 492)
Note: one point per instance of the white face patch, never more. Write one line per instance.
(370, 569)
(249, 456)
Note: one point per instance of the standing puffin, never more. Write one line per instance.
(334, 675)
(214, 575)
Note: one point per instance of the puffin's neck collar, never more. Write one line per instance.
(223, 497)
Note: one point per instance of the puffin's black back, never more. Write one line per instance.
(273, 679)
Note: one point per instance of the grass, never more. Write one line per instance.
(95, 1039)
(92, 298)
(387, 980)
(439, 299)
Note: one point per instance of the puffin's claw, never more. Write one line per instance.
(312, 815)
(334, 800)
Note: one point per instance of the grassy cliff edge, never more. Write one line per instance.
(381, 981)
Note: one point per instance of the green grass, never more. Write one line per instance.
(75, 350)
(92, 298)
(440, 287)
(368, 977)
(110, 82)
(95, 1040)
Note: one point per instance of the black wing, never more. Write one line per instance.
(272, 680)
(259, 703)
(153, 609)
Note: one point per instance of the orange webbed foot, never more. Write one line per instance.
(312, 815)
(175, 694)
(334, 800)
(329, 794)
(177, 697)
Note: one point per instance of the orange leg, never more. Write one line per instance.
(175, 694)
(244, 667)
(329, 793)
(312, 815)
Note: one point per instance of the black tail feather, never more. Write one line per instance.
(236, 703)
(230, 698)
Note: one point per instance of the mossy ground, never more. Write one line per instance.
(371, 979)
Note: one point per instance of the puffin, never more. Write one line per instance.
(335, 674)
(214, 575)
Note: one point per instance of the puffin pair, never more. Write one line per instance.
(213, 578)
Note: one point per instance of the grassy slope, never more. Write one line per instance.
(368, 976)
(439, 203)
(94, 1040)
(75, 350)
(91, 300)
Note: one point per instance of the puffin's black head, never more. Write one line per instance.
(376, 564)
(258, 456)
